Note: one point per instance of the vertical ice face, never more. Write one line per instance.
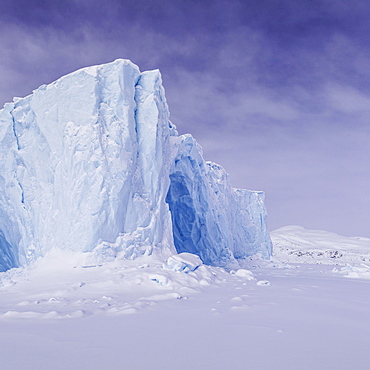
(211, 219)
(83, 160)
(92, 158)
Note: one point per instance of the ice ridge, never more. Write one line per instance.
(91, 162)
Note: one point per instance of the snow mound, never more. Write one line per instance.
(248, 275)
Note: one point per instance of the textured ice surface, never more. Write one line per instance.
(92, 161)
(210, 218)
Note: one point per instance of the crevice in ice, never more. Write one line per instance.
(22, 191)
(136, 107)
(15, 132)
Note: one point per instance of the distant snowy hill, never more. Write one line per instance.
(91, 163)
(297, 244)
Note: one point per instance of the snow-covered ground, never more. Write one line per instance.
(307, 308)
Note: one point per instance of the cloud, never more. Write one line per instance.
(277, 92)
(348, 100)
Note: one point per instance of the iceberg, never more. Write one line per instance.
(91, 162)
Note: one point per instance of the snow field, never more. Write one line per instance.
(307, 318)
(68, 310)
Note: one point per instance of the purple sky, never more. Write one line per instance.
(276, 91)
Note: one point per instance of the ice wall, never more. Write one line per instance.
(210, 218)
(93, 158)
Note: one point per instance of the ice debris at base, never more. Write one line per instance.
(183, 262)
(92, 162)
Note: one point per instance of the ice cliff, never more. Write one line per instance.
(91, 162)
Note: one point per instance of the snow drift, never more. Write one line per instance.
(91, 162)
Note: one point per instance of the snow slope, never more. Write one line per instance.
(92, 162)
